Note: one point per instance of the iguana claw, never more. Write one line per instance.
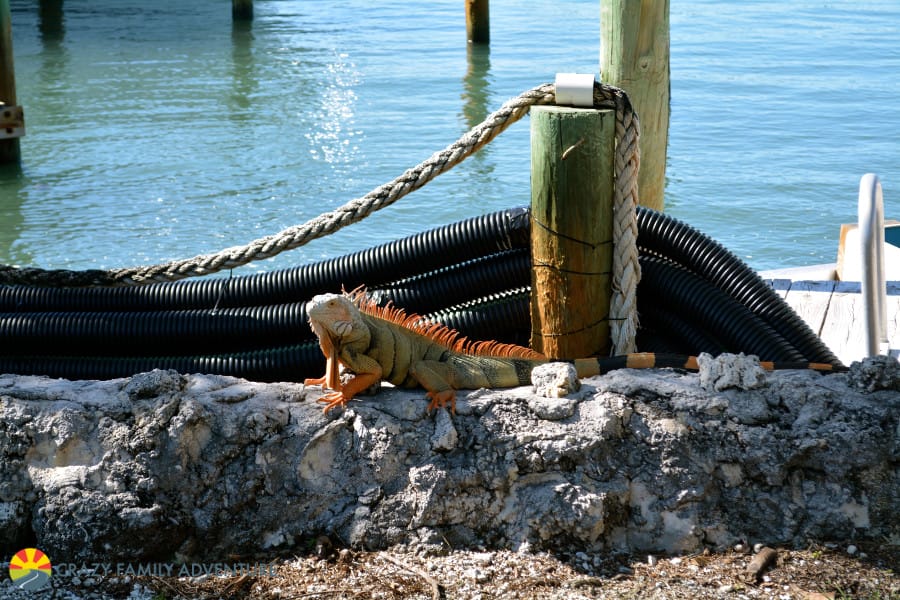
(332, 400)
(440, 400)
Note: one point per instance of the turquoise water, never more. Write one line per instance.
(161, 130)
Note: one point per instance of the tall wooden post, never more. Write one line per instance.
(572, 173)
(242, 10)
(11, 119)
(634, 56)
(478, 22)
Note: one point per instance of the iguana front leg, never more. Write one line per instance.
(350, 389)
(332, 377)
(367, 372)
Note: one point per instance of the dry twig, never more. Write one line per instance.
(437, 590)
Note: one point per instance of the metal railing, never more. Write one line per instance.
(872, 279)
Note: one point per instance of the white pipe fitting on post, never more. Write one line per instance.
(575, 89)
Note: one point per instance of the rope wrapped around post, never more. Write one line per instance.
(623, 311)
(626, 268)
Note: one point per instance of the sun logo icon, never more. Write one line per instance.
(30, 569)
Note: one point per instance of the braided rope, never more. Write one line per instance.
(625, 266)
(626, 271)
(298, 235)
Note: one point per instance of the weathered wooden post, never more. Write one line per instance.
(475, 84)
(12, 123)
(634, 56)
(572, 183)
(478, 22)
(242, 10)
(51, 20)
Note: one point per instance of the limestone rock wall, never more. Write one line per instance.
(195, 467)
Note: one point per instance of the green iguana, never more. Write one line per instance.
(385, 344)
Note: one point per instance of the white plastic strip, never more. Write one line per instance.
(874, 290)
(575, 89)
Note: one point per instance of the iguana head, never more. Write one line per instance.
(335, 318)
(338, 324)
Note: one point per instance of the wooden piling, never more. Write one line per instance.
(478, 22)
(51, 21)
(242, 10)
(634, 56)
(476, 91)
(10, 114)
(572, 182)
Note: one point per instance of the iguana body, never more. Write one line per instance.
(385, 344)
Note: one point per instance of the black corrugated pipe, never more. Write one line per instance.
(436, 290)
(665, 330)
(156, 333)
(504, 316)
(198, 332)
(458, 284)
(500, 317)
(680, 304)
(688, 312)
(290, 363)
(471, 239)
(666, 236)
(711, 310)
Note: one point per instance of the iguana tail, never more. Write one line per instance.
(587, 367)
(498, 372)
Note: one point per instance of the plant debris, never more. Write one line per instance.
(821, 572)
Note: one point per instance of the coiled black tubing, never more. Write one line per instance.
(433, 250)
(474, 276)
(682, 244)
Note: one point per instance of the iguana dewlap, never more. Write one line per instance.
(385, 344)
